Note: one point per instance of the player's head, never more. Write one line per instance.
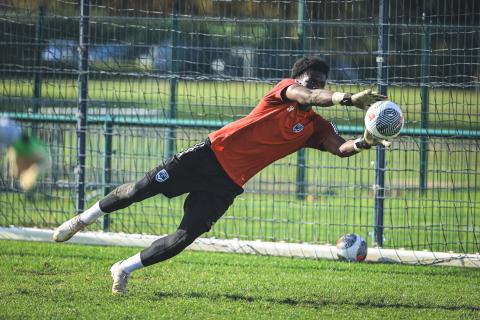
(311, 72)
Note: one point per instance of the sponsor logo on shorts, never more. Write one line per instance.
(162, 175)
(298, 127)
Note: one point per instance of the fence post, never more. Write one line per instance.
(37, 76)
(424, 79)
(107, 168)
(301, 153)
(82, 102)
(172, 114)
(382, 79)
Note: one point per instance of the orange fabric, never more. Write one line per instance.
(274, 129)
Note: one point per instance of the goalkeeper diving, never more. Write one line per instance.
(27, 155)
(214, 171)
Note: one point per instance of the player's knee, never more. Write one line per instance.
(128, 192)
(123, 196)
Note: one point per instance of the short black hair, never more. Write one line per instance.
(309, 63)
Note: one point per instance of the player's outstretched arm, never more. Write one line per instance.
(305, 96)
(336, 145)
(327, 98)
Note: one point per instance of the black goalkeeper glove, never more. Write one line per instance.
(359, 144)
(368, 140)
(361, 100)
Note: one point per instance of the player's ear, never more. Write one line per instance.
(303, 78)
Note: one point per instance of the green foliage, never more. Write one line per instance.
(53, 281)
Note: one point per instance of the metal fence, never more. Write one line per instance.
(114, 89)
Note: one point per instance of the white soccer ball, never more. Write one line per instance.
(384, 120)
(351, 247)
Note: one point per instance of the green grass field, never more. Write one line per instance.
(64, 281)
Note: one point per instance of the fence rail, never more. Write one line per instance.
(148, 121)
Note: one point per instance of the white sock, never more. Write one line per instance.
(131, 264)
(92, 214)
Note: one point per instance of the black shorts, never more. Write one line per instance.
(196, 171)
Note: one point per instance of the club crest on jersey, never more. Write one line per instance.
(290, 109)
(162, 175)
(298, 127)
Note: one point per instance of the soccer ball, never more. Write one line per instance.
(384, 120)
(351, 247)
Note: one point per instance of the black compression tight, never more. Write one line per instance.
(126, 194)
(163, 248)
(169, 246)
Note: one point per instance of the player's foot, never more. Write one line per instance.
(68, 229)
(120, 280)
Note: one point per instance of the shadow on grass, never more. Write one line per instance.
(407, 269)
(316, 304)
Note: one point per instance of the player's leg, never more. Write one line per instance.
(161, 249)
(123, 196)
(173, 178)
(120, 198)
(202, 210)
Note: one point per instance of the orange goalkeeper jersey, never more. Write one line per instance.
(275, 128)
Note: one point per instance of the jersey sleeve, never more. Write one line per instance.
(323, 129)
(275, 95)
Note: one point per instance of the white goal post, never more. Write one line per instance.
(300, 250)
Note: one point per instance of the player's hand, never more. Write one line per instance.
(27, 159)
(365, 98)
(373, 141)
